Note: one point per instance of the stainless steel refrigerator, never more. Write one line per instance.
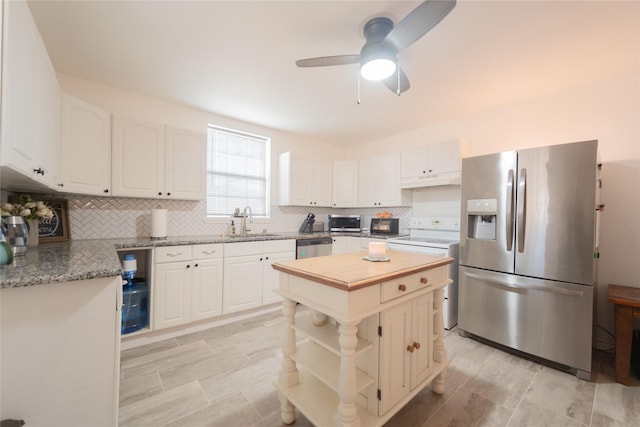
(528, 251)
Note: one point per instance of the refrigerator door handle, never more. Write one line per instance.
(519, 287)
(510, 213)
(522, 207)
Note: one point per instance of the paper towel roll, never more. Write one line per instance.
(158, 223)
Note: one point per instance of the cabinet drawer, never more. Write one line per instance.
(404, 285)
(209, 251)
(172, 254)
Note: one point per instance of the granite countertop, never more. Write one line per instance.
(97, 258)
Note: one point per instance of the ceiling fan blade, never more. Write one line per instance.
(324, 61)
(392, 82)
(418, 22)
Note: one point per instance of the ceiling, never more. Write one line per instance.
(237, 58)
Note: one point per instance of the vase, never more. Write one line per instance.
(16, 234)
(34, 232)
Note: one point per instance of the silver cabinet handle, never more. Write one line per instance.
(174, 254)
(208, 252)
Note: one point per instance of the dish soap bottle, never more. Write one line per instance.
(231, 229)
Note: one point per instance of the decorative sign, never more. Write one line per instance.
(55, 229)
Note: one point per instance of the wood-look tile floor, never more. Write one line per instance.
(223, 377)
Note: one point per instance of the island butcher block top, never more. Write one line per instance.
(351, 271)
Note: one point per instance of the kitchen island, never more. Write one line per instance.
(374, 336)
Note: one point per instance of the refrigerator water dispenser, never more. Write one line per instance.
(482, 215)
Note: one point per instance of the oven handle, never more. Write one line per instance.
(402, 247)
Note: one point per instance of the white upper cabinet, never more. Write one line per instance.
(304, 181)
(436, 164)
(379, 182)
(85, 162)
(185, 164)
(150, 161)
(138, 158)
(345, 183)
(31, 99)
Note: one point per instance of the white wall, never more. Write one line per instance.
(607, 111)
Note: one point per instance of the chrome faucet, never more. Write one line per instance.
(243, 227)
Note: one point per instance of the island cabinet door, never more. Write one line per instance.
(394, 355)
(406, 348)
(422, 339)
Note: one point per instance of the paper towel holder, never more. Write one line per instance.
(158, 223)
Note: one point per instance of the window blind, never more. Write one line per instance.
(237, 172)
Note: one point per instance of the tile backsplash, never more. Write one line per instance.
(117, 217)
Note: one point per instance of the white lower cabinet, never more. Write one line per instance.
(249, 280)
(187, 284)
(61, 352)
(345, 244)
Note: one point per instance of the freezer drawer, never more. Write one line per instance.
(548, 319)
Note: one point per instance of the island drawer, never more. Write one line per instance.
(172, 254)
(407, 284)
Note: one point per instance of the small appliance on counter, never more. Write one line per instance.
(134, 297)
(350, 223)
(307, 224)
(385, 226)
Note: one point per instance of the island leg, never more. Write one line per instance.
(347, 415)
(439, 350)
(288, 372)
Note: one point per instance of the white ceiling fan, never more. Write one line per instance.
(378, 57)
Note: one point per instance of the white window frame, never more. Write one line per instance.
(223, 217)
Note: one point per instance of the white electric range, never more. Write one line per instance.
(436, 236)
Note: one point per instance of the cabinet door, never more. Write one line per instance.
(242, 283)
(422, 335)
(172, 294)
(19, 93)
(295, 181)
(345, 184)
(387, 178)
(395, 381)
(137, 158)
(414, 163)
(444, 157)
(322, 183)
(206, 289)
(271, 277)
(369, 179)
(339, 245)
(185, 164)
(31, 99)
(85, 148)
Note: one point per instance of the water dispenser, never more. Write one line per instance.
(134, 297)
(482, 215)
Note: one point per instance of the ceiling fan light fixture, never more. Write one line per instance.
(378, 68)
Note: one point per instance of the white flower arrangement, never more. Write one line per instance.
(27, 208)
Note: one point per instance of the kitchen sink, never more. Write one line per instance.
(252, 235)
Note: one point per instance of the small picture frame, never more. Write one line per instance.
(55, 229)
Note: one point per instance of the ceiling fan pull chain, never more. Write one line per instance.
(358, 100)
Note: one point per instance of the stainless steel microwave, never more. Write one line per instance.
(344, 223)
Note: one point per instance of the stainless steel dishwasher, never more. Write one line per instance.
(313, 247)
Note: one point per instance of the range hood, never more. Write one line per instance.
(435, 180)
